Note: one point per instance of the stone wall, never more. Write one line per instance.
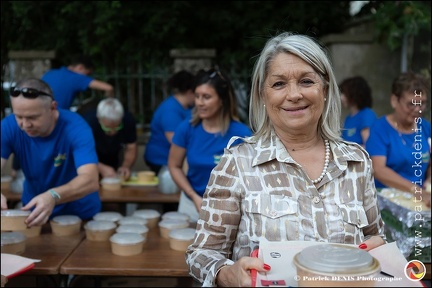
(24, 64)
(356, 53)
(192, 59)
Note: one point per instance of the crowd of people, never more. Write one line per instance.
(296, 171)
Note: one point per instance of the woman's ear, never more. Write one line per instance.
(393, 101)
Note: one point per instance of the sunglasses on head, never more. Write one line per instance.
(216, 72)
(27, 92)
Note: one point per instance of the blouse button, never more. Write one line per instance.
(316, 199)
(273, 213)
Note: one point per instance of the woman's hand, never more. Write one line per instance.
(372, 243)
(239, 274)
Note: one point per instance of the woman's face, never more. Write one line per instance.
(207, 102)
(344, 100)
(409, 106)
(293, 94)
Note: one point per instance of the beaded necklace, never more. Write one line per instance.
(326, 162)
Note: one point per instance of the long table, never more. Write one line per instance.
(93, 258)
(140, 194)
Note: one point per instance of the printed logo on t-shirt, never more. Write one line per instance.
(216, 159)
(351, 132)
(58, 161)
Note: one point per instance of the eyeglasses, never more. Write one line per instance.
(27, 92)
(108, 129)
(413, 105)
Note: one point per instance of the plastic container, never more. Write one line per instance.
(180, 239)
(127, 244)
(166, 183)
(111, 183)
(108, 216)
(166, 225)
(152, 216)
(132, 220)
(13, 220)
(133, 228)
(175, 215)
(99, 230)
(13, 243)
(146, 176)
(65, 225)
(335, 265)
(31, 232)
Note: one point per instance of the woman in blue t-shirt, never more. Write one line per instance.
(399, 143)
(202, 139)
(167, 117)
(356, 96)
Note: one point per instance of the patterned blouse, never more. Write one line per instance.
(257, 191)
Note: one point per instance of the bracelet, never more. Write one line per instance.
(54, 195)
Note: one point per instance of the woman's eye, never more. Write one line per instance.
(278, 84)
(307, 82)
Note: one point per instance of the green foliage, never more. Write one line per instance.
(396, 19)
(118, 32)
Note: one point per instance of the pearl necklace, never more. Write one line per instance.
(326, 161)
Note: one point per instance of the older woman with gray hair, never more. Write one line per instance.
(294, 179)
(114, 130)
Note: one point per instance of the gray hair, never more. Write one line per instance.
(110, 109)
(311, 52)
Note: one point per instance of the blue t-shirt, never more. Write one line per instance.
(354, 124)
(166, 118)
(66, 84)
(406, 154)
(204, 150)
(52, 161)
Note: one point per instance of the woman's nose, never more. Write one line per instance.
(293, 92)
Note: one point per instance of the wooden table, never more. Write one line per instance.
(52, 250)
(93, 258)
(141, 194)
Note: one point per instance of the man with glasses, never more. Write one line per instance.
(56, 150)
(114, 130)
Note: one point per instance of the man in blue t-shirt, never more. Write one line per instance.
(67, 82)
(56, 150)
